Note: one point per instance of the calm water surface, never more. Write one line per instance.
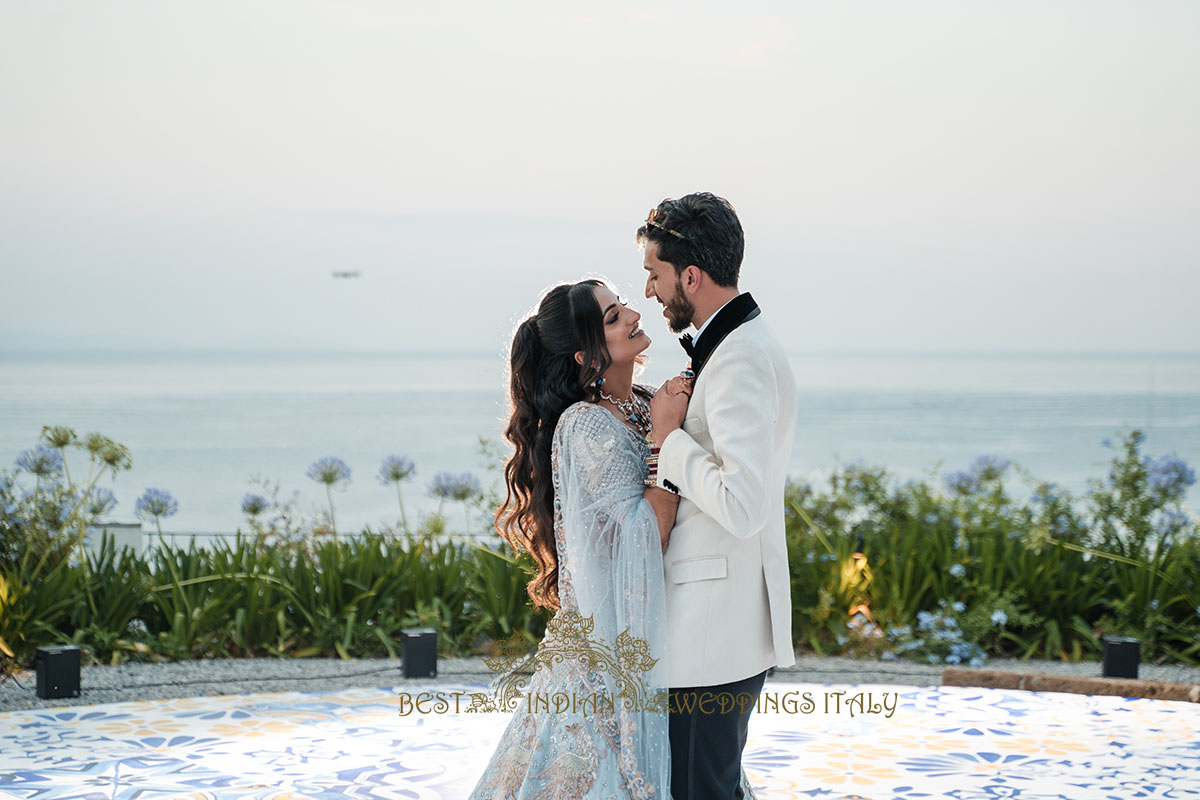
(201, 424)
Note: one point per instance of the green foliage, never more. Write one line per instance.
(1062, 572)
(349, 598)
(917, 570)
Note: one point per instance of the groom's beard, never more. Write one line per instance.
(679, 311)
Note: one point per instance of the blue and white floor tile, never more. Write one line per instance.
(936, 742)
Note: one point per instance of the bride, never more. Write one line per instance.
(582, 501)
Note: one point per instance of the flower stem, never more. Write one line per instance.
(403, 516)
(332, 519)
(66, 469)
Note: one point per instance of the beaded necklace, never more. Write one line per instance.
(634, 409)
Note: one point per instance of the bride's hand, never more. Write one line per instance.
(679, 385)
(668, 408)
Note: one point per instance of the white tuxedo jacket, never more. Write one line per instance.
(729, 606)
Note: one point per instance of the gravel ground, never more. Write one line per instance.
(259, 675)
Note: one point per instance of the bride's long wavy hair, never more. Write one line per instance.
(544, 379)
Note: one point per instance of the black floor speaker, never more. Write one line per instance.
(420, 653)
(57, 671)
(1121, 657)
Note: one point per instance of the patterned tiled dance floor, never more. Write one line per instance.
(807, 741)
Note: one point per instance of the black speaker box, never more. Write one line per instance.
(1121, 657)
(420, 653)
(57, 671)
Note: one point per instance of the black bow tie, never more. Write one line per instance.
(686, 342)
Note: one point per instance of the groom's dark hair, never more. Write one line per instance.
(700, 229)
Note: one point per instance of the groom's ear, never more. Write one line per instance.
(691, 277)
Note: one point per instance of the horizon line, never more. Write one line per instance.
(476, 352)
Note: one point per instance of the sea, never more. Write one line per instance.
(206, 426)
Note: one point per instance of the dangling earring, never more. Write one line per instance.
(599, 382)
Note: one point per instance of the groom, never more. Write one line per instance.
(726, 454)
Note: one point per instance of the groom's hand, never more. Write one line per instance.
(668, 407)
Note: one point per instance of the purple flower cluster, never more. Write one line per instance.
(937, 634)
(449, 486)
(100, 501)
(395, 469)
(329, 471)
(254, 504)
(1169, 521)
(1168, 474)
(154, 504)
(989, 467)
(961, 481)
(41, 461)
(982, 469)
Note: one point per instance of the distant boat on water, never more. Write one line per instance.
(349, 273)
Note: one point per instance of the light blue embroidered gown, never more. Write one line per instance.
(607, 639)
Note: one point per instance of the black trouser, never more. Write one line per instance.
(708, 726)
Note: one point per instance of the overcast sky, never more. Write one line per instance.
(946, 176)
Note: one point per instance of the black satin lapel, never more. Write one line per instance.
(740, 309)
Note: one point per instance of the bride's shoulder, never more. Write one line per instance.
(588, 435)
(584, 419)
(581, 413)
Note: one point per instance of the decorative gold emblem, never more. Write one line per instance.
(568, 639)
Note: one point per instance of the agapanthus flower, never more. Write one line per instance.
(449, 486)
(154, 504)
(957, 570)
(58, 436)
(959, 606)
(999, 617)
(963, 482)
(254, 504)
(100, 501)
(989, 467)
(330, 471)
(1047, 494)
(395, 469)
(1168, 474)
(1169, 521)
(41, 461)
